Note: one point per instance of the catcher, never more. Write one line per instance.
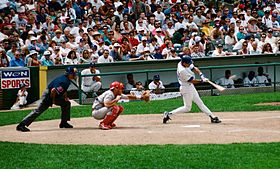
(105, 106)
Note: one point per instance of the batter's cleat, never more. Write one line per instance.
(22, 128)
(104, 126)
(215, 120)
(65, 125)
(165, 117)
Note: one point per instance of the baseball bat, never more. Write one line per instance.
(220, 88)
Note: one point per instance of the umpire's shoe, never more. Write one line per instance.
(21, 127)
(165, 117)
(65, 125)
(215, 120)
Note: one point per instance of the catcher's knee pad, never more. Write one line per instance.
(115, 110)
(121, 109)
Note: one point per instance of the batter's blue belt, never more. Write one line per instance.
(87, 85)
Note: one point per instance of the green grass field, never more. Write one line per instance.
(247, 155)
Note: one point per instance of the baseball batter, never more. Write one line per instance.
(186, 75)
(105, 106)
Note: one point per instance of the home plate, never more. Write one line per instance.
(192, 126)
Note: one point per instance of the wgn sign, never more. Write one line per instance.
(11, 78)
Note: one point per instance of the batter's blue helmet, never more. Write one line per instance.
(186, 59)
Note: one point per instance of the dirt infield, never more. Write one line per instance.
(189, 128)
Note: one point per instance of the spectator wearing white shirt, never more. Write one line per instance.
(159, 15)
(97, 3)
(58, 38)
(142, 45)
(159, 36)
(275, 24)
(270, 38)
(219, 51)
(266, 19)
(254, 50)
(170, 29)
(105, 58)
(71, 58)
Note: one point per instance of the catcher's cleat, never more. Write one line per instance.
(165, 117)
(22, 128)
(215, 120)
(104, 126)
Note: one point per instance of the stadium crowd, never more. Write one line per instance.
(66, 32)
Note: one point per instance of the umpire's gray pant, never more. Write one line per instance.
(44, 105)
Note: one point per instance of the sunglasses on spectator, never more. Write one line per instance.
(106, 52)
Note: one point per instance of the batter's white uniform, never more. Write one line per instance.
(99, 110)
(188, 91)
(88, 84)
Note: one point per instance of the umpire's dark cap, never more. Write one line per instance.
(71, 70)
(186, 59)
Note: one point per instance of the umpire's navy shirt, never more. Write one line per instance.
(60, 84)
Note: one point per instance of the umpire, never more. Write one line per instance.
(56, 93)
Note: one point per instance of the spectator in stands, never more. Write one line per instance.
(262, 78)
(254, 50)
(4, 59)
(250, 80)
(46, 60)
(196, 53)
(270, 38)
(230, 40)
(86, 57)
(17, 61)
(226, 81)
(219, 51)
(241, 33)
(71, 58)
(244, 50)
(267, 49)
(157, 54)
(156, 85)
(105, 58)
(32, 59)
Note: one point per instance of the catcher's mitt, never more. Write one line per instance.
(145, 96)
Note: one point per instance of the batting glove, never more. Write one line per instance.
(203, 78)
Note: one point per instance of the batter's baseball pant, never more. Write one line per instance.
(190, 95)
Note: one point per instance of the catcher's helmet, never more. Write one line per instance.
(186, 59)
(117, 85)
